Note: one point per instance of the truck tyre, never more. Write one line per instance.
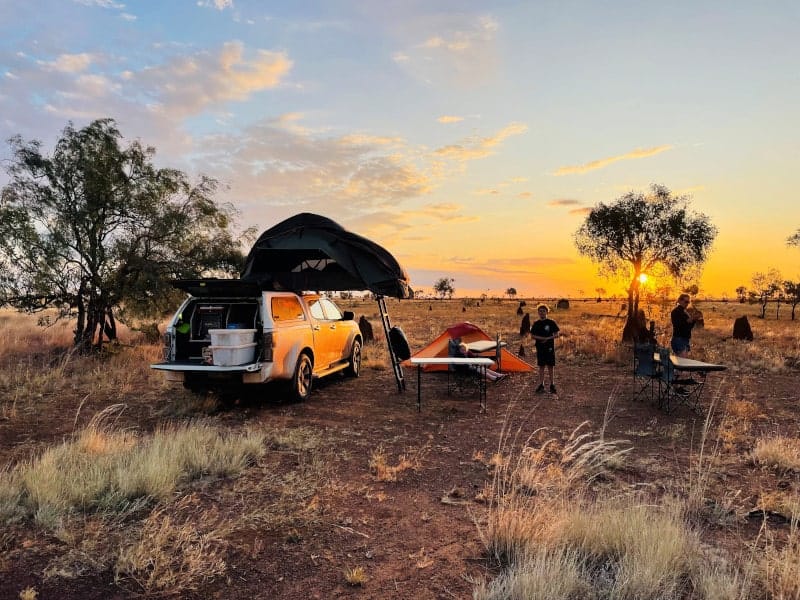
(354, 370)
(302, 379)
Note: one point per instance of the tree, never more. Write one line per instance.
(511, 292)
(792, 290)
(95, 228)
(638, 233)
(765, 286)
(444, 287)
(741, 293)
(692, 289)
(794, 239)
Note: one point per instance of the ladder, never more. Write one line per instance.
(387, 326)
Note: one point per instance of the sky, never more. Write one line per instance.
(469, 138)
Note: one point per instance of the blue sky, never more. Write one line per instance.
(469, 138)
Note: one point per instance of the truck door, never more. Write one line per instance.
(326, 334)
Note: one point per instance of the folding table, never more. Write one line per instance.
(677, 384)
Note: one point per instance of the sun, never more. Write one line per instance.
(643, 278)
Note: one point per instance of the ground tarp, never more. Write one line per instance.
(468, 333)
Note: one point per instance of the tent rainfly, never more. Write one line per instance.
(468, 333)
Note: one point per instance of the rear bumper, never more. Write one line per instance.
(257, 372)
(186, 366)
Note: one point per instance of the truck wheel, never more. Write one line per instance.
(302, 380)
(355, 360)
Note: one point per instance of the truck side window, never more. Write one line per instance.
(287, 308)
(316, 310)
(332, 311)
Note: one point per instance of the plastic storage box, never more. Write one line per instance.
(229, 356)
(231, 337)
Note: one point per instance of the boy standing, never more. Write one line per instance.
(544, 331)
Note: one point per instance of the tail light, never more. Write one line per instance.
(268, 345)
(167, 349)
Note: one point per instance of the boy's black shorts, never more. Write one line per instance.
(546, 357)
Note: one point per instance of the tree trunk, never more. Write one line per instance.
(631, 330)
(110, 326)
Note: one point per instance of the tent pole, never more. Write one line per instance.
(398, 369)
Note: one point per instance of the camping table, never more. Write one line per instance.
(481, 363)
(481, 346)
(684, 368)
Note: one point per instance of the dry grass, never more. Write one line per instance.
(779, 568)
(779, 452)
(559, 535)
(383, 471)
(174, 550)
(104, 469)
(356, 576)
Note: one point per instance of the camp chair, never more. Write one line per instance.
(646, 372)
(461, 378)
(673, 390)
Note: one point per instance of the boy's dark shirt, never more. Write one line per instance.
(680, 323)
(544, 328)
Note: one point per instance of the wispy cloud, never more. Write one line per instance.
(218, 4)
(449, 119)
(584, 210)
(480, 147)
(101, 3)
(604, 162)
(563, 202)
(458, 49)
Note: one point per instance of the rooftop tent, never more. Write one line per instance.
(311, 252)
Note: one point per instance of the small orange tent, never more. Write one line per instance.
(468, 333)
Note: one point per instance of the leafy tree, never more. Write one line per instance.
(511, 292)
(638, 233)
(692, 289)
(96, 227)
(765, 287)
(444, 287)
(794, 239)
(792, 290)
(741, 293)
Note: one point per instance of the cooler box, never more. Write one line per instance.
(229, 356)
(231, 337)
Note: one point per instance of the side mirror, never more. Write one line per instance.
(348, 315)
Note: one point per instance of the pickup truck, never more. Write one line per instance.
(229, 333)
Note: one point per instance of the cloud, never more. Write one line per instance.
(449, 119)
(71, 63)
(218, 4)
(563, 202)
(276, 165)
(480, 147)
(584, 210)
(604, 162)
(457, 49)
(188, 84)
(101, 3)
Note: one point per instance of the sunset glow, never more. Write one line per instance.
(470, 138)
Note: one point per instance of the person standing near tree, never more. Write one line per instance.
(682, 324)
(544, 331)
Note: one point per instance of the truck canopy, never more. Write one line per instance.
(312, 252)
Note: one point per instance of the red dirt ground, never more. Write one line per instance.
(417, 537)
